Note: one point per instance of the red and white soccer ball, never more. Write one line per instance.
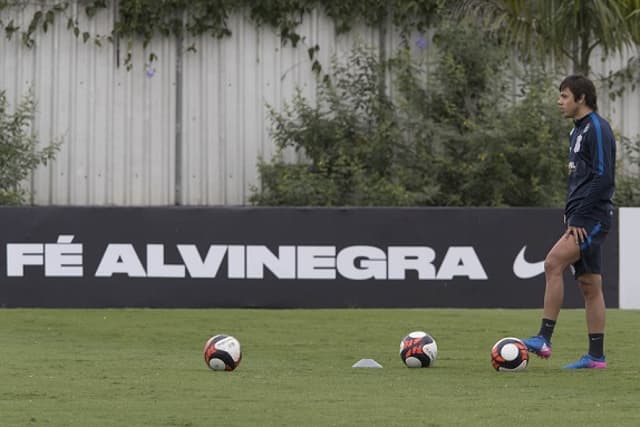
(222, 353)
(509, 355)
(418, 350)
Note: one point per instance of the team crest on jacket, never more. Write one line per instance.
(576, 148)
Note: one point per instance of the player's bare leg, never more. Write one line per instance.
(565, 252)
(591, 287)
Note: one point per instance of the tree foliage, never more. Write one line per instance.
(349, 138)
(562, 30)
(456, 138)
(19, 153)
(628, 173)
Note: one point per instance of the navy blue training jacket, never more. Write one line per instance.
(592, 171)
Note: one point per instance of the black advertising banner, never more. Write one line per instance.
(282, 257)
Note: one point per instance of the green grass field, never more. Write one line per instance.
(145, 368)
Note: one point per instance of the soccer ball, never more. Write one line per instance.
(418, 350)
(222, 353)
(509, 355)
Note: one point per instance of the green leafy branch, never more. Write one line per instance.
(142, 20)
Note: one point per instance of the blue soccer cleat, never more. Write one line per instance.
(588, 362)
(539, 345)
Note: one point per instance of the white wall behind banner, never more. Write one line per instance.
(117, 127)
(629, 257)
(188, 129)
(127, 141)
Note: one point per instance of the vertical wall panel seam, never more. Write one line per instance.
(72, 79)
(241, 115)
(222, 137)
(91, 152)
(178, 174)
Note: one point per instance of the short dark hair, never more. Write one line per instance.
(580, 85)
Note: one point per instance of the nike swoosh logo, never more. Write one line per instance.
(524, 269)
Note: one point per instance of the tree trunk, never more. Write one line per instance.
(585, 54)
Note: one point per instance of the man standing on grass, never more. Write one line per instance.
(588, 216)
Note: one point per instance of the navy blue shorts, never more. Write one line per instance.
(591, 252)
